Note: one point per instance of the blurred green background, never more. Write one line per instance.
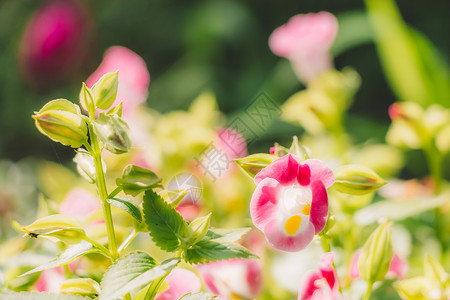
(190, 46)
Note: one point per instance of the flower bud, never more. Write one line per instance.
(62, 122)
(80, 286)
(198, 228)
(63, 227)
(136, 179)
(86, 165)
(116, 110)
(113, 132)
(357, 180)
(105, 90)
(376, 254)
(299, 150)
(87, 100)
(254, 163)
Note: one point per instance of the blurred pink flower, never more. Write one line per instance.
(79, 203)
(290, 202)
(232, 142)
(181, 282)
(50, 280)
(323, 284)
(56, 43)
(397, 268)
(134, 77)
(234, 278)
(306, 40)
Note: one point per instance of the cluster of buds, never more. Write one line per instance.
(62, 121)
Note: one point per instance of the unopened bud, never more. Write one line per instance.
(87, 100)
(357, 180)
(61, 121)
(105, 90)
(113, 132)
(376, 254)
(199, 228)
(80, 286)
(136, 179)
(254, 163)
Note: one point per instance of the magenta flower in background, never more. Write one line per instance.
(306, 40)
(56, 43)
(290, 202)
(134, 77)
(397, 268)
(234, 278)
(79, 203)
(322, 284)
(181, 282)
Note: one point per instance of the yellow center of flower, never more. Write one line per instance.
(292, 224)
(306, 210)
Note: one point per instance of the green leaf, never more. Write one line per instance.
(210, 250)
(254, 163)
(40, 296)
(167, 227)
(227, 235)
(133, 272)
(128, 206)
(198, 296)
(174, 198)
(397, 209)
(137, 179)
(66, 256)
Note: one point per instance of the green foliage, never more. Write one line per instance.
(66, 256)
(214, 250)
(126, 205)
(167, 227)
(198, 296)
(136, 179)
(132, 273)
(227, 235)
(254, 163)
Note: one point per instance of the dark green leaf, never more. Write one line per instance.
(131, 273)
(209, 250)
(167, 227)
(128, 206)
(136, 180)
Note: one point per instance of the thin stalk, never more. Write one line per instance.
(368, 291)
(434, 159)
(101, 186)
(154, 286)
(128, 240)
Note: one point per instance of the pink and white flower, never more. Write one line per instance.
(397, 268)
(50, 280)
(290, 202)
(181, 282)
(306, 40)
(234, 278)
(322, 284)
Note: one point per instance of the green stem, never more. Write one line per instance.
(368, 291)
(102, 248)
(434, 159)
(127, 241)
(325, 244)
(101, 186)
(154, 286)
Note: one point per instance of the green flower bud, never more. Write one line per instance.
(357, 180)
(254, 163)
(116, 110)
(376, 254)
(137, 179)
(297, 149)
(86, 165)
(62, 227)
(113, 132)
(198, 228)
(105, 90)
(87, 100)
(80, 286)
(62, 122)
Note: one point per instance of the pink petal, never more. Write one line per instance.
(307, 287)
(326, 269)
(279, 240)
(320, 171)
(254, 276)
(263, 204)
(79, 203)
(319, 206)
(284, 170)
(304, 175)
(354, 270)
(398, 266)
(180, 281)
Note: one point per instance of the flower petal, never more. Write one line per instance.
(284, 170)
(279, 240)
(320, 171)
(264, 201)
(304, 174)
(319, 206)
(326, 269)
(308, 288)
